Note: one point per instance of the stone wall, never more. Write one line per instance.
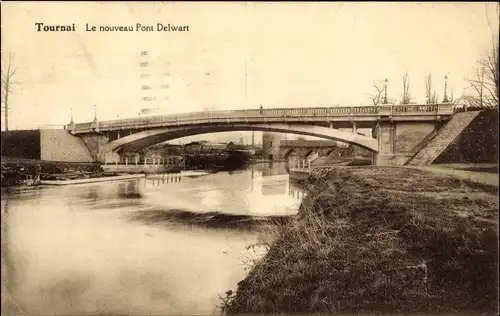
(410, 134)
(60, 145)
(398, 141)
(94, 143)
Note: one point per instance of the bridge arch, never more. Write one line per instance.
(289, 152)
(140, 140)
(308, 153)
(330, 151)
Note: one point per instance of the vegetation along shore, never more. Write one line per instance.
(379, 240)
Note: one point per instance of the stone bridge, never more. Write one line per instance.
(397, 129)
(305, 148)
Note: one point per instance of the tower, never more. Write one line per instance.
(271, 146)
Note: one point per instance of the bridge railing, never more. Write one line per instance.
(266, 114)
(300, 165)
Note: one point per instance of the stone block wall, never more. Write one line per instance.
(60, 145)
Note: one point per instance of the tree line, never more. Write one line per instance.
(482, 90)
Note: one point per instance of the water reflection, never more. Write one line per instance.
(157, 180)
(128, 190)
(69, 250)
(262, 191)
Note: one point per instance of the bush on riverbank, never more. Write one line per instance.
(226, 161)
(380, 240)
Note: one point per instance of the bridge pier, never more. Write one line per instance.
(399, 141)
(94, 142)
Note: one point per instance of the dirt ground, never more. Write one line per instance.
(482, 173)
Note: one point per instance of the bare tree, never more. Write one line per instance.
(8, 82)
(378, 95)
(430, 94)
(406, 90)
(476, 97)
(485, 87)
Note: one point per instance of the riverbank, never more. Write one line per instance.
(17, 172)
(14, 171)
(92, 180)
(142, 169)
(380, 240)
(217, 161)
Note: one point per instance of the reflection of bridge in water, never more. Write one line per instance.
(278, 181)
(296, 193)
(266, 181)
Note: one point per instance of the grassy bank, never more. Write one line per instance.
(380, 240)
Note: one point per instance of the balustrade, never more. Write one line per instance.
(209, 116)
(299, 165)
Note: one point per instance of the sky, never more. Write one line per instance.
(296, 55)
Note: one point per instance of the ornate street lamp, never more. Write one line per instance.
(445, 99)
(385, 98)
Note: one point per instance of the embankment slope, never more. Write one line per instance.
(381, 240)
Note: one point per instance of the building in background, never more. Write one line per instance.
(271, 145)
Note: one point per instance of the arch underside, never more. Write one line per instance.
(310, 152)
(289, 152)
(141, 140)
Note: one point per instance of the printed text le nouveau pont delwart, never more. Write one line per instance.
(137, 27)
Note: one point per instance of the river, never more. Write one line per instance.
(131, 247)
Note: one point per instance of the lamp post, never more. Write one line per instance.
(385, 88)
(445, 99)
